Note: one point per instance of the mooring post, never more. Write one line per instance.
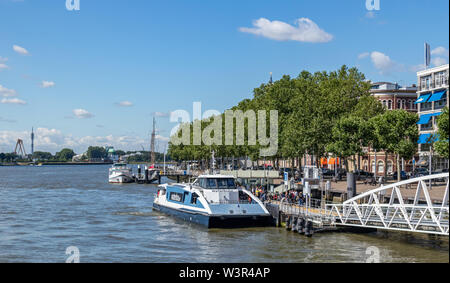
(351, 185)
(146, 175)
(294, 224)
(301, 226)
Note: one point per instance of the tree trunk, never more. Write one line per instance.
(399, 176)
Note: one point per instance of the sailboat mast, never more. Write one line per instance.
(153, 142)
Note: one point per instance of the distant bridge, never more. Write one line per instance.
(367, 210)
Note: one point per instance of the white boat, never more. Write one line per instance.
(119, 173)
(213, 201)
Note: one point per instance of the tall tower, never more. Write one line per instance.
(32, 142)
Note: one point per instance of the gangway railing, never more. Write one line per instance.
(368, 210)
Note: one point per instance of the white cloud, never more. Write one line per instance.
(47, 84)
(384, 63)
(363, 55)
(3, 66)
(7, 120)
(161, 114)
(53, 140)
(82, 114)
(5, 92)
(13, 101)
(440, 51)
(20, 50)
(163, 139)
(439, 61)
(3, 59)
(305, 30)
(125, 104)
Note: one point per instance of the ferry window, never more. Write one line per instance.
(194, 198)
(176, 197)
(186, 195)
(211, 184)
(222, 183)
(231, 183)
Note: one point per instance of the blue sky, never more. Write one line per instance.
(68, 72)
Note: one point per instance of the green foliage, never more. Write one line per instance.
(96, 152)
(347, 137)
(441, 146)
(65, 155)
(395, 132)
(145, 157)
(308, 108)
(39, 155)
(120, 153)
(8, 157)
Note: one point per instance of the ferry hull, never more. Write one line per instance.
(213, 221)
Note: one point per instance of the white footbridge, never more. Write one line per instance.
(400, 213)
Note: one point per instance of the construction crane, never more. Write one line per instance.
(20, 148)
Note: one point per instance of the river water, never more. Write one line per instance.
(45, 210)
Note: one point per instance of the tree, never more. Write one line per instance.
(120, 153)
(397, 132)
(65, 155)
(441, 146)
(96, 152)
(39, 155)
(347, 136)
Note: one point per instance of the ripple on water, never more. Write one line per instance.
(56, 207)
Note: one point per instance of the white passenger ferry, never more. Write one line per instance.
(213, 201)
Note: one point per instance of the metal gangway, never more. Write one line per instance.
(422, 215)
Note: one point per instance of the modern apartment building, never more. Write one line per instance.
(432, 97)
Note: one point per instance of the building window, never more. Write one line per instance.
(399, 104)
(380, 167)
(390, 104)
(440, 104)
(390, 166)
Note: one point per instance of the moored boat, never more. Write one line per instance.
(119, 173)
(214, 201)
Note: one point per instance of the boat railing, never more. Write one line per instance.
(232, 202)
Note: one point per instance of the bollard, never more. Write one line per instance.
(294, 224)
(351, 185)
(288, 224)
(309, 229)
(146, 175)
(301, 226)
